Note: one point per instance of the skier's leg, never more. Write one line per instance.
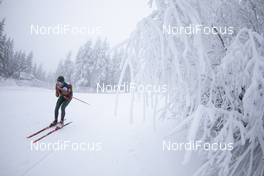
(63, 107)
(57, 107)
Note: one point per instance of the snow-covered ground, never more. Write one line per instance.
(127, 149)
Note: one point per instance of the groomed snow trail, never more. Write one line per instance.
(127, 149)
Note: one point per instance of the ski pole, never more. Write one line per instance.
(81, 100)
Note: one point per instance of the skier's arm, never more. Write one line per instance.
(64, 91)
(57, 91)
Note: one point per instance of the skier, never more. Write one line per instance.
(64, 92)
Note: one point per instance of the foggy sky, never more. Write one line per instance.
(117, 19)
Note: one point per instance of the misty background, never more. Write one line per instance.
(43, 57)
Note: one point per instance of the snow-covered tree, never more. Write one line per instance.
(66, 68)
(114, 67)
(19, 64)
(29, 63)
(81, 70)
(2, 46)
(39, 72)
(7, 65)
(100, 60)
(92, 64)
(14, 63)
(219, 100)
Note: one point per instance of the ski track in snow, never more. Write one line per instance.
(127, 149)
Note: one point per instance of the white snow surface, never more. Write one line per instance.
(127, 149)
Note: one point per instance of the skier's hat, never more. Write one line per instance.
(60, 79)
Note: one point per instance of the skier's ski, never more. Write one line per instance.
(52, 131)
(34, 134)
